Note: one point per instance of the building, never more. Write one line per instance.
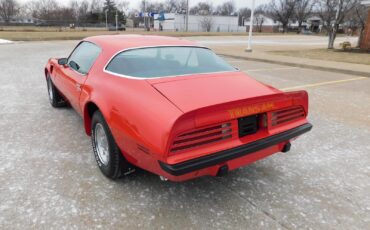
(197, 23)
(263, 23)
(365, 42)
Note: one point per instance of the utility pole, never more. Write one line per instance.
(187, 16)
(106, 19)
(249, 48)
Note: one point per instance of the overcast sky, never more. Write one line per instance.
(238, 3)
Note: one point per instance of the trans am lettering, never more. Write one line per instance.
(249, 110)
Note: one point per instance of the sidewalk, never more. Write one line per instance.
(260, 55)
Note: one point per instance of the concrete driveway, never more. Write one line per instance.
(49, 180)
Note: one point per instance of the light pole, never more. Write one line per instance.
(145, 16)
(106, 19)
(116, 21)
(187, 15)
(249, 48)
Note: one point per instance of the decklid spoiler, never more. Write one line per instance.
(194, 92)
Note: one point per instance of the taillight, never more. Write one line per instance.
(202, 136)
(287, 115)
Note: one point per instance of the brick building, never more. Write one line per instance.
(365, 43)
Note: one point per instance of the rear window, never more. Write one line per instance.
(167, 61)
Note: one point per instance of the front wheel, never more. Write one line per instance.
(107, 154)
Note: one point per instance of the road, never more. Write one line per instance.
(49, 179)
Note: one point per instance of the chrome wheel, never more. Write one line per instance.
(101, 144)
(50, 89)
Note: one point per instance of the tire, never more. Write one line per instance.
(55, 99)
(106, 152)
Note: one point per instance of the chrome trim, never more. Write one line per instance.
(169, 76)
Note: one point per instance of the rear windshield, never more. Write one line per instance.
(167, 61)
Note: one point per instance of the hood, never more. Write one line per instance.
(198, 91)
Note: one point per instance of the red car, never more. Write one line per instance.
(172, 107)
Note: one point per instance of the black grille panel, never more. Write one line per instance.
(248, 125)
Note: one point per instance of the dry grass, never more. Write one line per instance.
(354, 56)
(33, 33)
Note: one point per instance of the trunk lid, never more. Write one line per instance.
(193, 92)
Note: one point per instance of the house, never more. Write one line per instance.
(263, 23)
(196, 23)
(365, 42)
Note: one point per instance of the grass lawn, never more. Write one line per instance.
(353, 56)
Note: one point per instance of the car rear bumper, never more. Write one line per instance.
(230, 154)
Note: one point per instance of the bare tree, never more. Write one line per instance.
(206, 23)
(357, 19)
(8, 9)
(282, 11)
(43, 9)
(244, 13)
(259, 17)
(80, 10)
(202, 8)
(332, 13)
(303, 10)
(226, 8)
(175, 6)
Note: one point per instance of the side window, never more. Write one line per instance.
(83, 57)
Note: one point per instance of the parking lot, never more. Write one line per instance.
(49, 178)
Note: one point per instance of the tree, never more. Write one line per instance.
(226, 8)
(202, 8)
(206, 23)
(332, 13)
(244, 13)
(80, 10)
(282, 11)
(259, 17)
(8, 9)
(303, 10)
(112, 10)
(175, 6)
(357, 19)
(45, 10)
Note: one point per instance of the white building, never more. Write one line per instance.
(197, 23)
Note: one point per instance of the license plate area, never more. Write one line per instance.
(248, 125)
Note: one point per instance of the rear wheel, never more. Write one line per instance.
(107, 154)
(56, 100)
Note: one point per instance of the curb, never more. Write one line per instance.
(306, 66)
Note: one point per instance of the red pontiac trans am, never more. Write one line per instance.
(172, 107)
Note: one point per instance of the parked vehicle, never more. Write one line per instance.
(172, 107)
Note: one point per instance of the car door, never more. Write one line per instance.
(75, 73)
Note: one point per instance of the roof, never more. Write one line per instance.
(116, 43)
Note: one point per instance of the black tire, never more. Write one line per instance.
(56, 100)
(115, 166)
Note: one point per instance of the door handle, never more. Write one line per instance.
(78, 87)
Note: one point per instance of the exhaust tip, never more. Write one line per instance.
(223, 171)
(286, 147)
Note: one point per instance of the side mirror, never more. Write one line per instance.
(236, 68)
(62, 61)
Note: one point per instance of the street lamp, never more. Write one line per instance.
(106, 19)
(187, 15)
(249, 48)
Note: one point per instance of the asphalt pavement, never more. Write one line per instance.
(49, 179)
